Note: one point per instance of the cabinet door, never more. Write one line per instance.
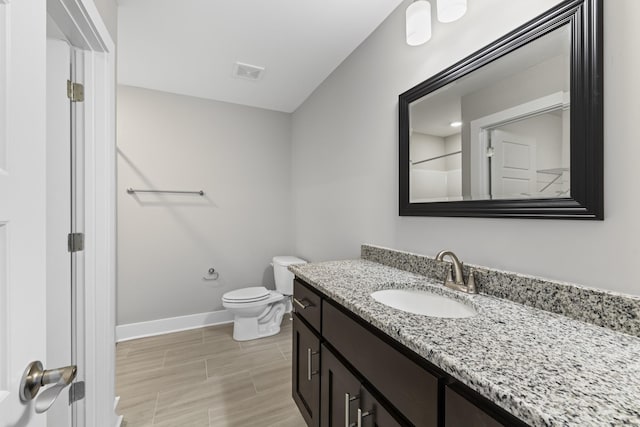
(407, 386)
(340, 392)
(373, 414)
(344, 399)
(306, 378)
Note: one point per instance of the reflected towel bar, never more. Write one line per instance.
(555, 171)
(131, 191)
(436, 158)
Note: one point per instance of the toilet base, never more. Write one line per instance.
(264, 325)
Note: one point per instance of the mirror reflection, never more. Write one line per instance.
(501, 132)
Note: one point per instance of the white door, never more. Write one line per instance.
(513, 165)
(25, 335)
(24, 308)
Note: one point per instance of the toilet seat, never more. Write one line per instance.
(245, 295)
(271, 298)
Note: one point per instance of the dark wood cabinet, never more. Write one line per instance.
(374, 414)
(345, 401)
(306, 371)
(336, 385)
(345, 368)
(407, 386)
(464, 407)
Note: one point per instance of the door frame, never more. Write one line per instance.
(83, 26)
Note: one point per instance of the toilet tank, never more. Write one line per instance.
(282, 276)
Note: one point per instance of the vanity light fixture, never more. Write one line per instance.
(455, 124)
(418, 22)
(419, 18)
(451, 10)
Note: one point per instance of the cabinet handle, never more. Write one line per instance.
(303, 305)
(347, 404)
(361, 415)
(310, 353)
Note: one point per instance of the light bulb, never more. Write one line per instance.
(451, 10)
(418, 23)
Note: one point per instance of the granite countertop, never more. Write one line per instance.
(544, 368)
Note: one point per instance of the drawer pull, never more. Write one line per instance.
(310, 353)
(347, 405)
(302, 304)
(361, 415)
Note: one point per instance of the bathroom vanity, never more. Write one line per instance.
(345, 371)
(358, 362)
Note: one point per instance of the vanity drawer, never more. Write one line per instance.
(307, 304)
(405, 384)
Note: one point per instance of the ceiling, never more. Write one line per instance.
(190, 47)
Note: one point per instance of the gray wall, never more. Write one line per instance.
(241, 157)
(345, 157)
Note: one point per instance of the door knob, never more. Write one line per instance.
(35, 377)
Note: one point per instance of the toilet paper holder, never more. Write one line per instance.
(212, 274)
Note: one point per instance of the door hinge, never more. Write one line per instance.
(76, 242)
(76, 392)
(491, 151)
(75, 91)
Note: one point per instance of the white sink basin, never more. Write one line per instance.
(422, 302)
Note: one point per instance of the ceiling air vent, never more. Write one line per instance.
(247, 71)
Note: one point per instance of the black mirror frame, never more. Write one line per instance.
(587, 189)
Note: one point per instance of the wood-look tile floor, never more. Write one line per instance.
(203, 377)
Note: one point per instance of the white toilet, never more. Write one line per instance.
(258, 311)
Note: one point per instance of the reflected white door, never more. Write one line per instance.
(513, 165)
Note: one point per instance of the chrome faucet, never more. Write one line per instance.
(455, 280)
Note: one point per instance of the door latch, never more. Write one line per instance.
(76, 392)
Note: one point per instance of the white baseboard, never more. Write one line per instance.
(173, 324)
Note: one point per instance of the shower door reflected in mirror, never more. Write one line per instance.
(500, 132)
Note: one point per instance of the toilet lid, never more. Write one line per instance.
(286, 261)
(253, 294)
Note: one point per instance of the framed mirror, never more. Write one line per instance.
(515, 129)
